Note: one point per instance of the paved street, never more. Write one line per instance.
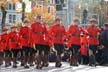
(64, 68)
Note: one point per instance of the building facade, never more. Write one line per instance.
(12, 17)
(64, 10)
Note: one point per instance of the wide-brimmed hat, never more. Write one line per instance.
(5, 29)
(14, 26)
(26, 21)
(57, 19)
(93, 20)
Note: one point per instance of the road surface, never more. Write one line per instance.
(65, 68)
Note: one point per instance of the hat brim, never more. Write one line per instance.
(5, 30)
(13, 27)
(26, 22)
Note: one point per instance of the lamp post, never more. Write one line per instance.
(23, 10)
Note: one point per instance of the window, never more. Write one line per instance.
(13, 6)
(10, 18)
(59, 4)
(57, 1)
(10, 6)
(14, 18)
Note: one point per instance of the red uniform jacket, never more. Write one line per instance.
(4, 42)
(46, 35)
(74, 32)
(38, 33)
(93, 35)
(58, 33)
(83, 48)
(14, 40)
(25, 33)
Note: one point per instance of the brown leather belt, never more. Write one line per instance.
(76, 35)
(25, 37)
(12, 40)
(38, 32)
(93, 36)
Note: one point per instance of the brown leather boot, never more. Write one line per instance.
(58, 61)
(6, 62)
(31, 60)
(45, 61)
(1, 60)
(22, 61)
(92, 61)
(26, 61)
(71, 61)
(14, 63)
(75, 60)
(39, 62)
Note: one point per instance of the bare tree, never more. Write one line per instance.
(102, 11)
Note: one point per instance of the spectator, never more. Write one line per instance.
(104, 43)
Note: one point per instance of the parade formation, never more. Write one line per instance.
(32, 44)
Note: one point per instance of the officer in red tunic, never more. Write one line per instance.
(73, 33)
(38, 34)
(25, 35)
(46, 44)
(4, 46)
(14, 44)
(58, 33)
(93, 42)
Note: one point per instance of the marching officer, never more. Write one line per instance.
(25, 35)
(73, 33)
(46, 44)
(58, 33)
(93, 42)
(14, 44)
(38, 36)
(4, 47)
